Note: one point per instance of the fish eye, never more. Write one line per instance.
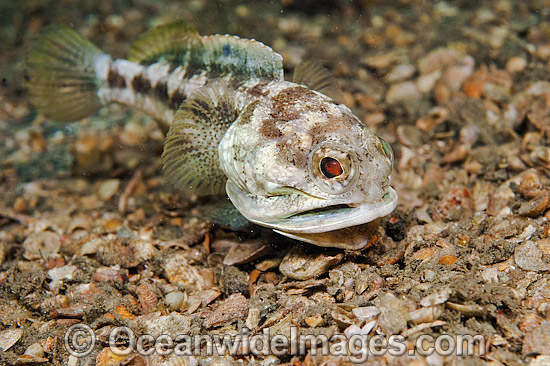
(332, 167)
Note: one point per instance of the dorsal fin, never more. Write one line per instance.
(240, 58)
(190, 156)
(161, 40)
(316, 77)
(217, 56)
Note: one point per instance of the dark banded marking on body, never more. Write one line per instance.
(161, 91)
(115, 80)
(141, 84)
(176, 99)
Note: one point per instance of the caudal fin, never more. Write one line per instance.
(62, 70)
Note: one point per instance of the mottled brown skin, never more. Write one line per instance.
(269, 128)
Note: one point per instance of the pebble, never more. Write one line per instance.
(537, 341)
(233, 280)
(409, 135)
(543, 52)
(458, 153)
(437, 60)
(393, 314)
(80, 222)
(437, 298)
(402, 92)
(9, 337)
(300, 266)
(246, 252)
(86, 150)
(400, 73)
(233, 308)
(516, 64)
(2, 252)
(314, 321)
(91, 246)
(536, 206)
(456, 75)
(375, 118)
(268, 264)
(366, 312)
(529, 322)
(57, 275)
(157, 324)
(114, 276)
(448, 259)
(108, 189)
(426, 314)
(33, 354)
(44, 244)
(435, 116)
(529, 255)
(179, 272)
(380, 61)
(540, 360)
(107, 358)
(425, 83)
(174, 300)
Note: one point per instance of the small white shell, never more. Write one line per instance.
(440, 297)
(35, 350)
(181, 273)
(9, 337)
(366, 312)
(174, 300)
(44, 244)
(427, 314)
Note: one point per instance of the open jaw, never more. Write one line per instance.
(341, 226)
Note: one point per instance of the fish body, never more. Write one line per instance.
(288, 156)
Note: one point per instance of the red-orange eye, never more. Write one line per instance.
(331, 167)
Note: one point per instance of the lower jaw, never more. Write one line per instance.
(351, 238)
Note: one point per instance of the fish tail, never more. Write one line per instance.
(63, 74)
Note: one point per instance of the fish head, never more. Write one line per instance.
(306, 166)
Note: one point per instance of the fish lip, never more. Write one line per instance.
(330, 219)
(317, 220)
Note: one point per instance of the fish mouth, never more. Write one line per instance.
(336, 217)
(318, 225)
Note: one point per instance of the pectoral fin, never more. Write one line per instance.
(190, 156)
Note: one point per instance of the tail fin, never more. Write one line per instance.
(62, 69)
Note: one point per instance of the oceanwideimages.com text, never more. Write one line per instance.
(80, 340)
